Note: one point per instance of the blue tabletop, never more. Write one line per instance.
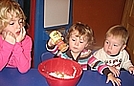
(11, 77)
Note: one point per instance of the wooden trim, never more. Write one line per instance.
(131, 20)
(126, 13)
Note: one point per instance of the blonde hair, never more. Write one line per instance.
(11, 7)
(118, 31)
(84, 30)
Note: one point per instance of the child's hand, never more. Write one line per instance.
(9, 37)
(115, 71)
(21, 36)
(131, 70)
(51, 43)
(115, 81)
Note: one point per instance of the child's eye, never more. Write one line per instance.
(73, 39)
(81, 41)
(107, 42)
(21, 22)
(12, 23)
(115, 45)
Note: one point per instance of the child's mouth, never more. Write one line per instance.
(75, 47)
(108, 52)
(18, 32)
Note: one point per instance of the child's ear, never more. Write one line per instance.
(123, 47)
(86, 45)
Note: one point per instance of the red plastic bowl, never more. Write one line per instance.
(60, 65)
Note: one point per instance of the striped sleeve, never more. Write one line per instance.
(96, 65)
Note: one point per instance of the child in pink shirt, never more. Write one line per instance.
(15, 45)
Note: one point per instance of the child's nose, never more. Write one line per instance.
(110, 47)
(76, 43)
(18, 26)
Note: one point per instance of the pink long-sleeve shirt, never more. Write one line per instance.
(17, 55)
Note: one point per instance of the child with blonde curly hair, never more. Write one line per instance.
(15, 45)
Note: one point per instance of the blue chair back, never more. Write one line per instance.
(46, 56)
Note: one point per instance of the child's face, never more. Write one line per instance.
(14, 25)
(113, 45)
(76, 43)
